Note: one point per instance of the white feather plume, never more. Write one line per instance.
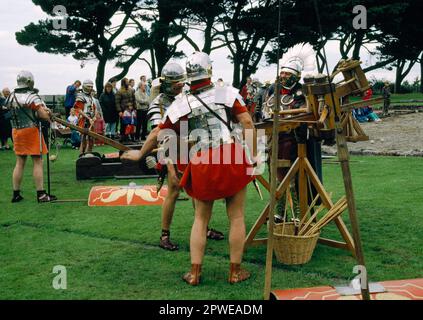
(302, 53)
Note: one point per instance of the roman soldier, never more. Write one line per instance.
(27, 110)
(298, 59)
(86, 108)
(248, 93)
(172, 81)
(210, 110)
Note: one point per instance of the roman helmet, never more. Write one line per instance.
(299, 58)
(87, 86)
(25, 79)
(172, 73)
(199, 66)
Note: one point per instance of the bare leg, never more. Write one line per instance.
(203, 211)
(18, 172)
(212, 234)
(169, 208)
(172, 195)
(38, 172)
(235, 210)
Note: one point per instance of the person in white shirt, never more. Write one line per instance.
(75, 136)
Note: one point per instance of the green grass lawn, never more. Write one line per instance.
(396, 99)
(113, 253)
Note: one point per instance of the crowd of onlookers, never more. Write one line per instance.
(122, 113)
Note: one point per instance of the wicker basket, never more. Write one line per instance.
(291, 249)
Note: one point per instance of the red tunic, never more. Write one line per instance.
(79, 106)
(211, 181)
(26, 142)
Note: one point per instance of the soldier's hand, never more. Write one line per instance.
(131, 155)
(151, 162)
(259, 165)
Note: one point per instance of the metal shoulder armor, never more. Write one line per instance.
(228, 95)
(80, 97)
(19, 103)
(157, 109)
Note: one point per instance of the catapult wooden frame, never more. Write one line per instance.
(321, 117)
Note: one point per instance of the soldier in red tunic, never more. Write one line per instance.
(210, 112)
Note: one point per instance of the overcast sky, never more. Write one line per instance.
(54, 72)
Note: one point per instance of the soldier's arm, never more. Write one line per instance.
(243, 117)
(42, 111)
(149, 145)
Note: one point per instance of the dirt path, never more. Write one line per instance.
(398, 135)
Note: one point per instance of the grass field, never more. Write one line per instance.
(113, 253)
(397, 99)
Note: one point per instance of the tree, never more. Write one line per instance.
(202, 16)
(247, 28)
(299, 24)
(161, 16)
(89, 33)
(402, 41)
(421, 73)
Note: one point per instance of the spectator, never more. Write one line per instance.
(71, 96)
(132, 84)
(113, 82)
(366, 114)
(123, 98)
(129, 122)
(248, 93)
(99, 127)
(142, 101)
(147, 84)
(108, 106)
(5, 126)
(75, 136)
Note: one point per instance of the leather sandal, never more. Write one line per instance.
(166, 244)
(194, 276)
(45, 197)
(213, 234)
(237, 274)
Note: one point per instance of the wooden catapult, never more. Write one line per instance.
(326, 116)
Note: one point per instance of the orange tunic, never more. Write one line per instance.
(207, 181)
(26, 142)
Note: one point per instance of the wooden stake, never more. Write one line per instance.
(273, 188)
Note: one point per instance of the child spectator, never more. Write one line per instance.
(75, 135)
(99, 127)
(366, 114)
(130, 122)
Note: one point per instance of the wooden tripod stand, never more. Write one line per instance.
(305, 172)
(323, 103)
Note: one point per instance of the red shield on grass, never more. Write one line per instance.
(395, 290)
(109, 196)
